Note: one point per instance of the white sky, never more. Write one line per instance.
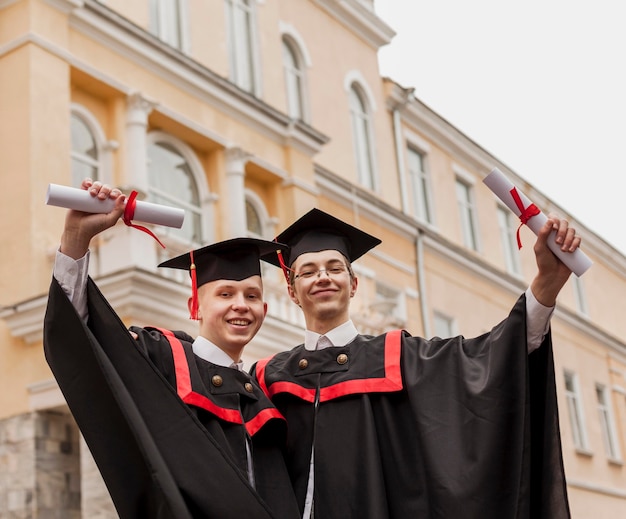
(540, 84)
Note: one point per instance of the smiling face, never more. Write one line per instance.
(324, 296)
(231, 313)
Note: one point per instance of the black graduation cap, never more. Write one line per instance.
(317, 231)
(235, 259)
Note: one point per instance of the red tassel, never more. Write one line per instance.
(282, 265)
(193, 310)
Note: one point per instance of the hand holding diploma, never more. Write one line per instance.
(96, 207)
(577, 261)
(82, 200)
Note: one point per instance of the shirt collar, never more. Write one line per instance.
(208, 351)
(339, 336)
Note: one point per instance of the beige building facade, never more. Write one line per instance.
(248, 113)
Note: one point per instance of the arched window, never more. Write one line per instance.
(294, 79)
(85, 151)
(172, 182)
(253, 220)
(257, 217)
(362, 136)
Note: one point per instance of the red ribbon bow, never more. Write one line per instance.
(129, 214)
(526, 213)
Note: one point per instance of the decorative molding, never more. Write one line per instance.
(7, 3)
(66, 6)
(361, 20)
(584, 485)
(119, 35)
(286, 29)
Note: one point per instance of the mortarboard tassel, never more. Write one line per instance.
(282, 265)
(193, 310)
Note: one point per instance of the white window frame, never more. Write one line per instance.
(607, 423)
(467, 212)
(508, 232)
(390, 304)
(580, 295)
(419, 185)
(161, 23)
(291, 37)
(174, 243)
(362, 127)
(264, 219)
(103, 148)
(441, 320)
(295, 78)
(242, 38)
(575, 411)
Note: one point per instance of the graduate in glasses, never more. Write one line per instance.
(398, 426)
(176, 426)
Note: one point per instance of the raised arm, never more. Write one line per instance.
(552, 274)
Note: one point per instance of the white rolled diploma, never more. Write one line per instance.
(81, 200)
(578, 262)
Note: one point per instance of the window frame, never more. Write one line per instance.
(508, 232)
(97, 134)
(161, 23)
(240, 39)
(575, 411)
(607, 422)
(580, 295)
(362, 136)
(204, 235)
(419, 185)
(468, 217)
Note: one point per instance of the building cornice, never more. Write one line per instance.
(119, 35)
(444, 135)
(361, 20)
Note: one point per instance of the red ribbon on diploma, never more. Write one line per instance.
(129, 214)
(525, 213)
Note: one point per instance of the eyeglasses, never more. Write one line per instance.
(335, 270)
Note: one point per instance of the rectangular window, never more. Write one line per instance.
(508, 232)
(166, 21)
(443, 325)
(467, 213)
(579, 295)
(606, 422)
(419, 186)
(240, 44)
(575, 411)
(389, 304)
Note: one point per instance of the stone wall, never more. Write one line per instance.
(40, 470)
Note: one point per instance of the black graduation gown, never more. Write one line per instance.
(454, 428)
(159, 457)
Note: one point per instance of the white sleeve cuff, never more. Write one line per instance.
(72, 275)
(537, 321)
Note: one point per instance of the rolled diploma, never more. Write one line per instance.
(81, 200)
(578, 262)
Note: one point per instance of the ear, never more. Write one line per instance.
(292, 294)
(189, 308)
(264, 309)
(354, 284)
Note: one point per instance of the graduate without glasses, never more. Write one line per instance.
(177, 428)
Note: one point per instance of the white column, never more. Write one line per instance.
(138, 109)
(122, 247)
(235, 208)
